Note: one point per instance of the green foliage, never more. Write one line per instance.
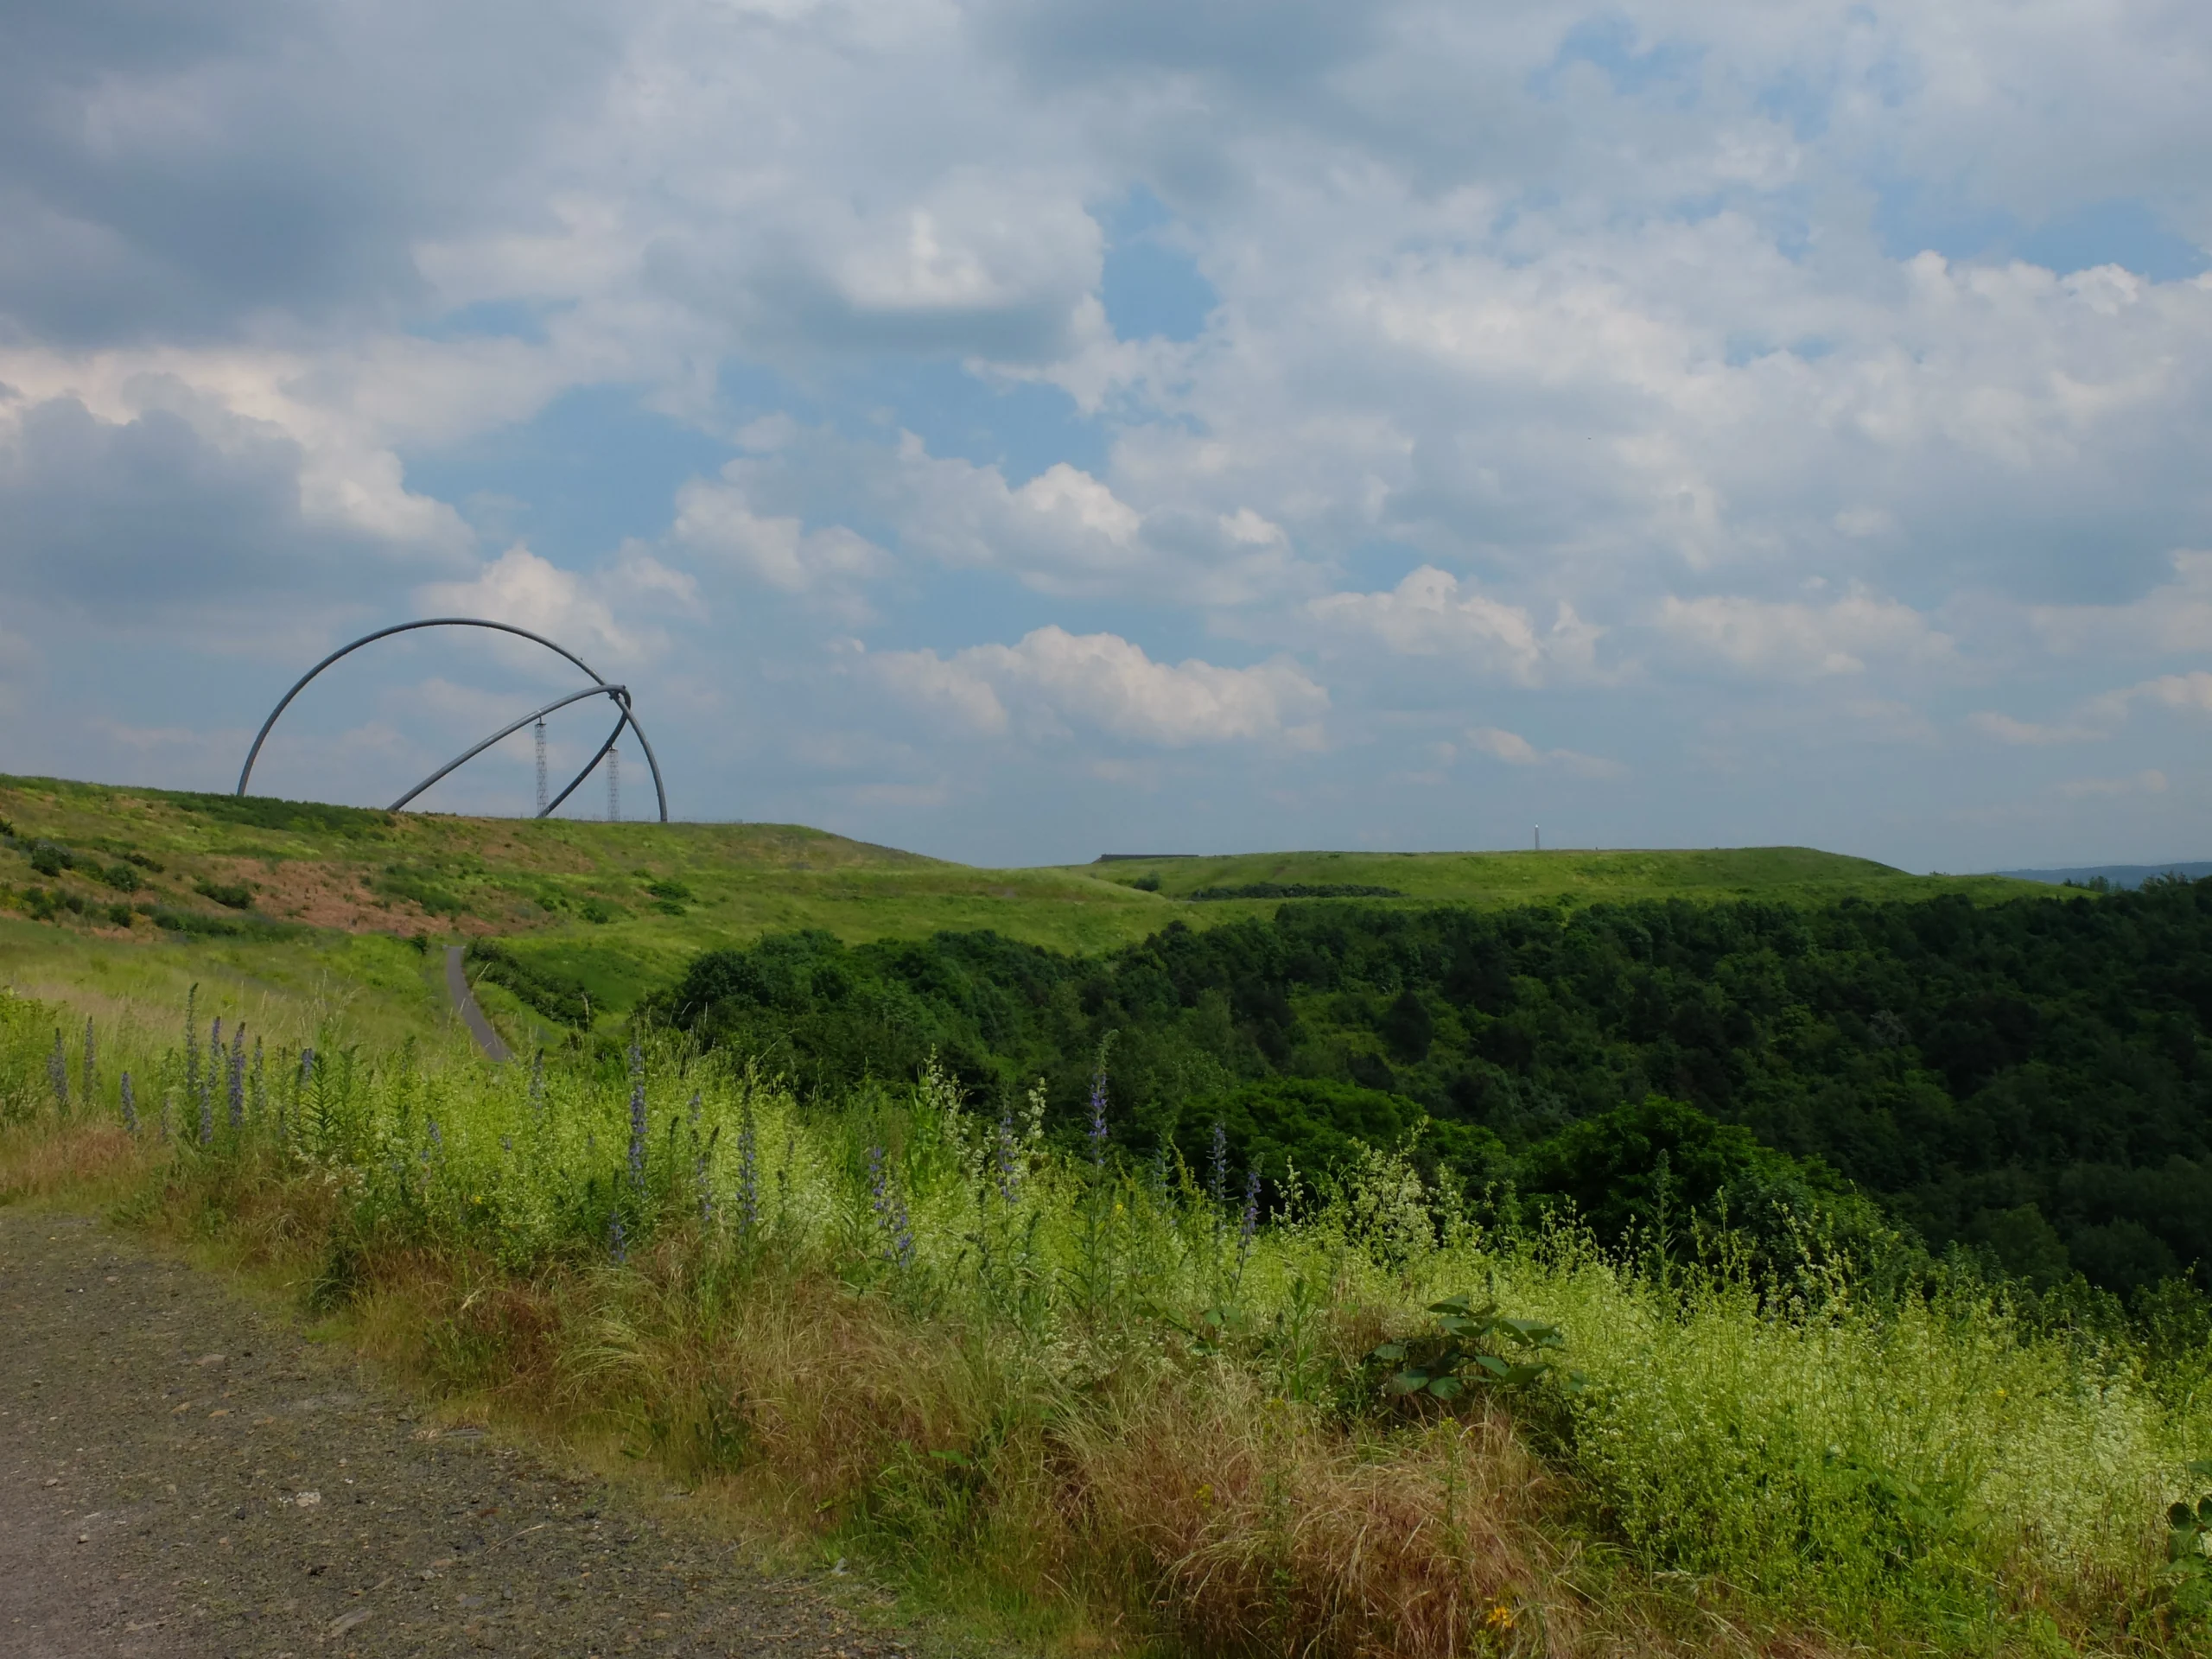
(669, 888)
(559, 997)
(122, 877)
(423, 885)
(597, 911)
(2188, 1566)
(2031, 1079)
(50, 860)
(1470, 1347)
(1862, 1468)
(1290, 890)
(231, 895)
(1623, 1172)
(301, 817)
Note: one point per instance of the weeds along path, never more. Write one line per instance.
(180, 1476)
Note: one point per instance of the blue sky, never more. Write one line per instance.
(1019, 431)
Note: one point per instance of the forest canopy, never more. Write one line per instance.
(2032, 1078)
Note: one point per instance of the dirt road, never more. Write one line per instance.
(181, 1476)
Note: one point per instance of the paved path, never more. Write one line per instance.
(180, 1476)
(464, 1002)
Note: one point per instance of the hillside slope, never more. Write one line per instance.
(132, 894)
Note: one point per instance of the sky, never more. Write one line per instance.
(1024, 429)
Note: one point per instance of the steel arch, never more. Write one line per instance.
(617, 694)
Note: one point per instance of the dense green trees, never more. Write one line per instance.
(2033, 1079)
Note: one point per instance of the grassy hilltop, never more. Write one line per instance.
(143, 891)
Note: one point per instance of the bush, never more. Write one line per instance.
(231, 895)
(122, 878)
(559, 997)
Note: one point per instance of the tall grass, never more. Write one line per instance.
(1085, 1385)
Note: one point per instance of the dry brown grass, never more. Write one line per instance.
(90, 1162)
(1167, 1499)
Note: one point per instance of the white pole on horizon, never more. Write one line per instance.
(1540, 838)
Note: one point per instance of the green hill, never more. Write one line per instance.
(122, 894)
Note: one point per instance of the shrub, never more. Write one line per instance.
(231, 895)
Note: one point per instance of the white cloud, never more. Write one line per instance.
(2176, 616)
(1793, 640)
(1432, 613)
(717, 521)
(2150, 782)
(1516, 751)
(520, 587)
(2005, 729)
(1052, 680)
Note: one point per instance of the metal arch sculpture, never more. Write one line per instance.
(618, 695)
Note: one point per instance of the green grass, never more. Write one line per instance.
(1044, 1378)
(1790, 874)
(578, 897)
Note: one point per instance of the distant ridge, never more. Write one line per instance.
(2118, 876)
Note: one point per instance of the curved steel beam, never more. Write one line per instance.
(617, 692)
(592, 766)
(628, 718)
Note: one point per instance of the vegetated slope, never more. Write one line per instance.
(1793, 873)
(2034, 1077)
(607, 911)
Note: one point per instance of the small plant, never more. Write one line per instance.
(596, 911)
(2189, 1568)
(1464, 1351)
(121, 877)
(231, 895)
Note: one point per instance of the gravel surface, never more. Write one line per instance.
(184, 1476)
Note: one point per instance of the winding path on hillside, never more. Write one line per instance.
(182, 1476)
(464, 1003)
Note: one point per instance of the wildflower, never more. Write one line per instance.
(1217, 1185)
(238, 1078)
(207, 1082)
(637, 1115)
(191, 1043)
(1500, 1617)
(748, 1167)
(1250, 1224)
(130, 1107)
(614, 1242)
(1098, 1117)
(890, 1211)
(57, 1074)
(90, 1093)
(1006, 1155)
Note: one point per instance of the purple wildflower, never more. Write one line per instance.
(748, 1167)
(192, 1043)
(91, 1059)
(207, 1082)
(130, 1107)
(237, 1079)
(1098, 1119)
(615, 1243)
(1006, 1154)
(890, 1211)
(57, 1074)
(1217, 1185)
(637, 1115)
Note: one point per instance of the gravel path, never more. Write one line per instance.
(180, 1475)
(464, 1002)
